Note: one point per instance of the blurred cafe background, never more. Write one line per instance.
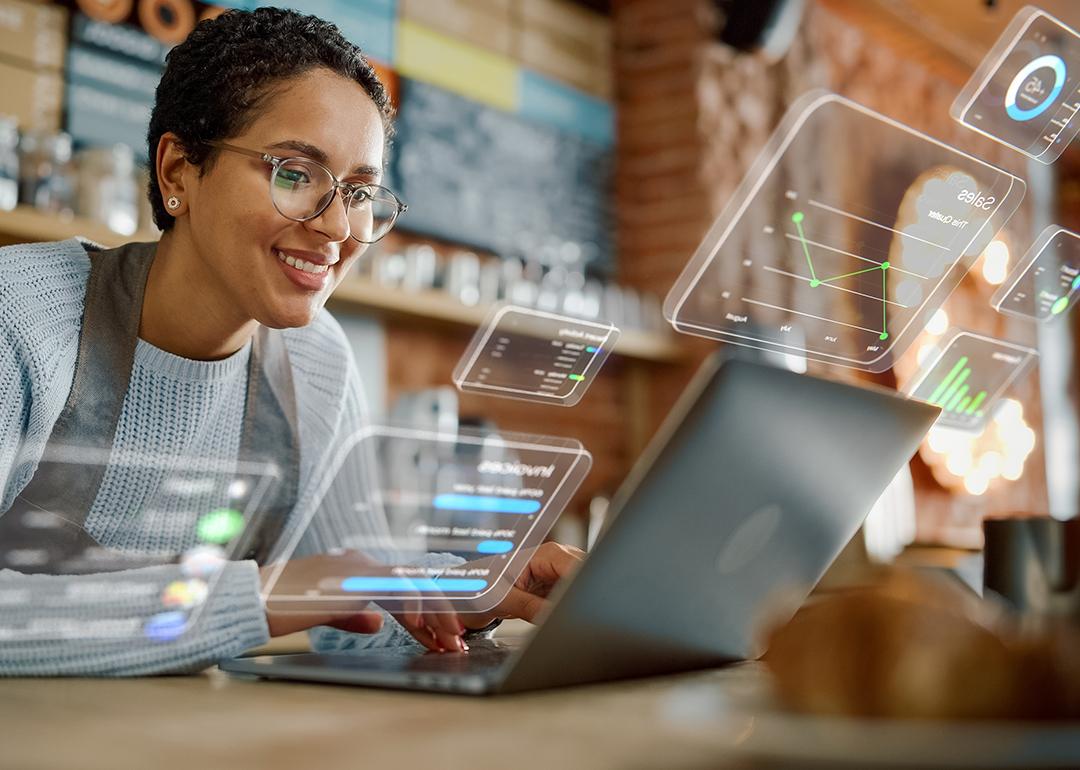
(570, 156)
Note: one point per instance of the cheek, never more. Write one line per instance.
(241, 207)
(351, 251)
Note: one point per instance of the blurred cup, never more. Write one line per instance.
(463, 277)
(1034, 564)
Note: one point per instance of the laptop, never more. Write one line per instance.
(751, 488)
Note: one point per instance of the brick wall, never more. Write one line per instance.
(693, 115)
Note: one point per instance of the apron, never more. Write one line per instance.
(43, 531)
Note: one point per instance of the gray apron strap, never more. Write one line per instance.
(43, 531)
(270, 436)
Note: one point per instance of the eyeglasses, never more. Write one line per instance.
(302, 189)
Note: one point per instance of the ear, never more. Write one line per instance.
(174, 173)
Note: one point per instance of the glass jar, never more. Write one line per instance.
(142, 199)
(9, 163)
(46, 178)
(109, 188)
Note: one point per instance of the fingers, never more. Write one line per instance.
(435, 631)
(358, 623)
(553, 561)
(445, 627)
(433, 622)
(522, 604)
(281, 623)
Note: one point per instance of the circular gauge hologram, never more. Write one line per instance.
(1030, 86)
(1024, 93)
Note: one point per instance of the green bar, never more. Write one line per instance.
(963, 404)
(576, 377)
(945, 383)
(956, 399)
(953, 388)
(977, 402)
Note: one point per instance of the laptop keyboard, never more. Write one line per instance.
(483, 657)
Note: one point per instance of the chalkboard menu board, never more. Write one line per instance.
(485, 178)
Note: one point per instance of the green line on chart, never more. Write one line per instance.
(884, 307)
(848, 275)
(797, 218)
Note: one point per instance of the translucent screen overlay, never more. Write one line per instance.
(848, 233)
(424, 501)
(1026, 92)
(143, 573)
(1045, 284)
(967, 377)
(533, 355)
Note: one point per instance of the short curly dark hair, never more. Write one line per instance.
(215, 81)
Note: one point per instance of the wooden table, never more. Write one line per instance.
(211, 720)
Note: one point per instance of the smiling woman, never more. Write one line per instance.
(267, 141)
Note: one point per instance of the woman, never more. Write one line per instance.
(212, 343)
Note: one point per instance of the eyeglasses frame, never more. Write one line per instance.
(349, 188)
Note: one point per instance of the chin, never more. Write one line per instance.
(289, 317)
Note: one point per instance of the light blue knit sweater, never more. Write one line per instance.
(173, 406)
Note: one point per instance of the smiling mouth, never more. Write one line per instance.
(300, 264)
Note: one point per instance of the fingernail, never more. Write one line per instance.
(461, 645)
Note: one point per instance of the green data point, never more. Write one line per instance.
(797, 217)
(814, 283)
(883, 336)
(220, 526)
(1059, 306)
(884, 265)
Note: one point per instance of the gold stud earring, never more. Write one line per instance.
(173, 202)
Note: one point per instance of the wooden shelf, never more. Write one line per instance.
(432, 305)
(26, 224)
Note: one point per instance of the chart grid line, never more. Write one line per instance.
(808, 315)
(858, 256)
(772, 269)
(848, 214)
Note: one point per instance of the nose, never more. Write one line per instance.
(333, 222)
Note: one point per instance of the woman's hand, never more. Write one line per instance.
(301, 575)
(432, 622)
(527, 597)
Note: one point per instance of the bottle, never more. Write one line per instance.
(46, 180)
(9, 163)
(108, 189)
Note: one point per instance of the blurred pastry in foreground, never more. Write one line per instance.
(921, 646)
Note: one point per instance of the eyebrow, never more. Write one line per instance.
(311, 151)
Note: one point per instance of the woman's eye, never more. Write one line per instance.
(288, 177)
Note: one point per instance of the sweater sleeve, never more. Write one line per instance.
(14, 395)
(83, 625)
(95, 625)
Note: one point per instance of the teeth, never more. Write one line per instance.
(299, 264)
